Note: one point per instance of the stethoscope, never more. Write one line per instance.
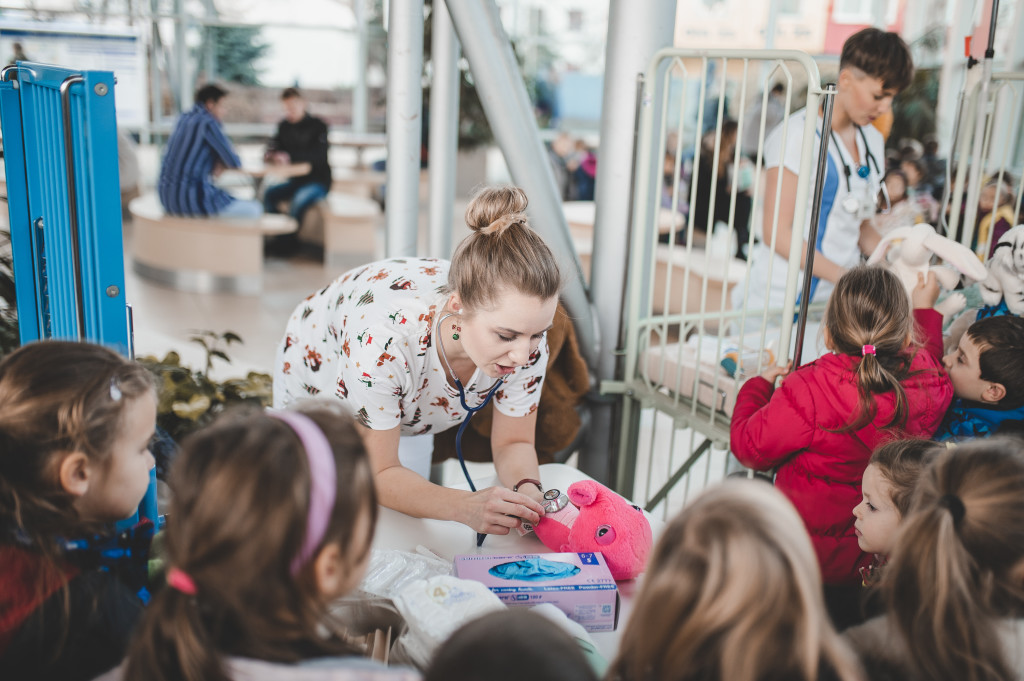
(851, 204)
(465, 405)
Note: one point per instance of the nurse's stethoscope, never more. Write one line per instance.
(465, 405)
(852, 204)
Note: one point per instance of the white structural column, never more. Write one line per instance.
(404, 125)
(510, 114)
(444, 129)
(636, 30)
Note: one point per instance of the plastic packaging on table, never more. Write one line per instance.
(390, 571)
(434, 608)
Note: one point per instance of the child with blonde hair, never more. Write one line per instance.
(75, 424)
(955, 582)
(821, 425)
(273, 517)
(732, 592)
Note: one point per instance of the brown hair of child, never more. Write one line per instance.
(958, 568)
(1000, 342)
(901, 462)
(241, 496)
(870, 307)
(503, 253)
(58, 397)
(732, 593)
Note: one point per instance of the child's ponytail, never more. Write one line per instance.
(950, 580)
(869, 317)
(243, 500)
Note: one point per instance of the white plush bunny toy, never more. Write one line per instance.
(909, 250)
(1005, 279)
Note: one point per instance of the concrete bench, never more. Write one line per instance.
(347, 227)
(207, 254)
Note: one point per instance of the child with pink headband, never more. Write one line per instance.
(273, 519)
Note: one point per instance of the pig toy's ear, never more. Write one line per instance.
(583, 493)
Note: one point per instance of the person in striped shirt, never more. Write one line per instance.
(197, 151)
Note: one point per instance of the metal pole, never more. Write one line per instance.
(503, 94)
(444, 129)
(359, 97)
(812, 236)
(404, 121)
(636, 30)
(69, 164)
(977, 153)
(181, 52)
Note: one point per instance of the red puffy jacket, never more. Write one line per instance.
(820, 471)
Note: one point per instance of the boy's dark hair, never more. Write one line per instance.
(508, 645)
(210, 93)
(290, 92)
(1001, 341)
(879, 54)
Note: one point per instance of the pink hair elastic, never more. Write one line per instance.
(179, 581)
(867, 350)
(322, 481)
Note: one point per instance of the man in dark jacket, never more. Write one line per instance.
(300, 139)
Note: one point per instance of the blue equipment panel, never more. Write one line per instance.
(60, 147)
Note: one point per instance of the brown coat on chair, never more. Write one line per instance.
(565, 383)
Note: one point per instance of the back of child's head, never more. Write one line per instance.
(879, 54)
(258, 498)
(901, 463)
(732, 591)
(58, 398)
(959, 560)
(510, 645)
(1000, 342)
(868, 317)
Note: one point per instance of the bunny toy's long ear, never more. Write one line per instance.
(957, 255)
(878, 255)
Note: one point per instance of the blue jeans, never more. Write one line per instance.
(242, 208)
(302, 195)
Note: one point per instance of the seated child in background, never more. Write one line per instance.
(902, 211)
(510, 645)
(822, 424)
(995, 215)
(75, 424)
(273, 518)
(953, 585)
(732, 593)
(987, 371)
(888, 484)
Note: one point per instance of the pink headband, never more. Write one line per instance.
(322, 481)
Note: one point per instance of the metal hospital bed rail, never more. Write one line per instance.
(679, 321)
(1000, 105)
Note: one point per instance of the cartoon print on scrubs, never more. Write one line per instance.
(379, 356)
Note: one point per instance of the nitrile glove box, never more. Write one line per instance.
(578, 584)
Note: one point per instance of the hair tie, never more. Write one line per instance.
(323, 478)
(504, 221)
(179, 581)
(955, 506)
(866, 350)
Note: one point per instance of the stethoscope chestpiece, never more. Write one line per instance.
(554, 501)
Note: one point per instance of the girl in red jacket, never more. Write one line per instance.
(821, 425)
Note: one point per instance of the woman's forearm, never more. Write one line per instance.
(403, 490)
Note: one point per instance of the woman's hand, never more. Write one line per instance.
(773, 373)
(496, 510)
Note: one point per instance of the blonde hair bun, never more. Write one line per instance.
(495, 209)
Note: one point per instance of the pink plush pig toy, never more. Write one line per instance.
(606, 523)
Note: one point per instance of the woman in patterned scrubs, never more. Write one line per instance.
(372, 339)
